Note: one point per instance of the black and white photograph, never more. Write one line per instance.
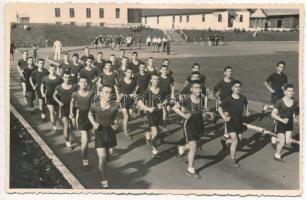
(151, 98)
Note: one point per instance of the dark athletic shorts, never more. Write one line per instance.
(49, 100)
(83, 121)
(65, 111)
(235, 125)
(38, 93)
(105, 137)
(279, 127)
(193, 128)
(155, 118)
(126, 102)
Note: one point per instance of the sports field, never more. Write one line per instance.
(133, 166)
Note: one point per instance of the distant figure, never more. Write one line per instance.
(57, 47)
(47, 43)
(35, 56)
(12, 49)
(168, 47)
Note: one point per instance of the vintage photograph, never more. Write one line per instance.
(154, 98)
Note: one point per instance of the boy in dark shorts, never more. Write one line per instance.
(191, 110)
(223, 89)
(27, 72)
(196, 68)
(283, 113)
(275, 83)
(134, 64)
(151, 102)
(102, 116)
(22, 63)
(127, 88)
(99, 63)
(75, 68)
(82, 99)
(62, 96)
(65, 65)
(48, 85)
(89, 72)
(231, 110)
(108, 77)
(36, 80)
(166, 84)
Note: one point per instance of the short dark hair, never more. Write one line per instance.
(166, 59)
(287, 86)
(153, 74)
(134, 52)
(75, 55)
(30, 57)
(103, 86)
(236, 82)
(99, 53)
(195, 64)
(122, 49)
(83, 77)
(142, 63)
(128, 68)
(88, 57)
(66, 54)
(66, 72)
(196, 82)
(40, 59)
(112, 55)
(52, 65)
(227, 67)
(108, 62)
(197, 73)
(151, 58)
(163, 66)
(281, 63)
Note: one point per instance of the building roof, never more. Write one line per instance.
(278, 12)
(167, 12)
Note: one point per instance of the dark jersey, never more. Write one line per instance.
(75, 69)
(134, 66)
(64, 94)
(27, 72)
(83, 102)
(120, 73)
(225, 89)
(104, 117)
(99, 66)
(125, 88)
(142, 82)
(50, 84)
(151, 99)
(234, 106)
(285, 111)
(277, 81)
(165, 84)
(65, 67)
(110, 80)
(37, 76)
(89, 74)
(22, 64)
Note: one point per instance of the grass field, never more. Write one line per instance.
(251, 70)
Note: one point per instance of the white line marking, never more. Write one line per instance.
(55, 160)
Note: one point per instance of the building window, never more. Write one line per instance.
(173, 19)
(117, 13)
(72, 23)
(57, 12)
(71, 12)
(279, 23)
(157, 18)
(187, 18)
(219, 18)
(58, 23)
(181, 19)
(203, 18)
(101, 12)
(88, 23)
(88, 12)
(241, 18)
(145, 19)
